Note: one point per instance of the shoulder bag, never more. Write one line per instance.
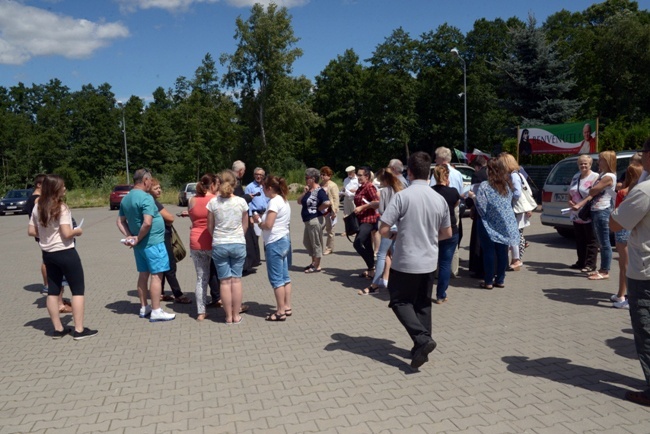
(526, 202)
(177, 246)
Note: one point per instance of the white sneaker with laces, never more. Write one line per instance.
(615, 299)
(145, 311)
(160, 315)
(622, 304)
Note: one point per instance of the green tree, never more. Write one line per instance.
(258, 72)
(536, 81)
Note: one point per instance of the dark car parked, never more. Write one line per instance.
(14, 201)
(119, 191)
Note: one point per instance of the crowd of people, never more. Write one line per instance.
(408, 236)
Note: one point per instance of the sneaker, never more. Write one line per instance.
(161, 315)
(44, 290)
(622, 304)
(59, 335)
(145, 311)
(615, 299)
(86, 333)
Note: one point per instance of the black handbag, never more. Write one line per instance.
(585, 212)
(351, 225)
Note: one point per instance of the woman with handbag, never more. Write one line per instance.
(314, 203)
(170, 275)
(586, 244)
(521, 208)
(366, 200)
(600, 197)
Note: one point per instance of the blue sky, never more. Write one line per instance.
(138, 45)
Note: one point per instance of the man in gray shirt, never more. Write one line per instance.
(422, 219)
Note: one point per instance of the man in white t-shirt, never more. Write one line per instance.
(634, 214)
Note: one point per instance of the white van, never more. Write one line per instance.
(555, 194)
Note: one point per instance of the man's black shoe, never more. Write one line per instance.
(59, 335)
(421, 354)
(638, 398)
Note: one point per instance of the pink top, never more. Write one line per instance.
(200, 237)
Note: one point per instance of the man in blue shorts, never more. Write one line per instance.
(422, 219)
(139, 215)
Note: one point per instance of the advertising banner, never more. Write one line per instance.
(574, 138)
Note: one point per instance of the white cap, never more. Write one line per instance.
(350, 169)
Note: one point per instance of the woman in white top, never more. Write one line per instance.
(277, 244)
(228, 222)
(586, 244)
(51, 222)
(602, 192)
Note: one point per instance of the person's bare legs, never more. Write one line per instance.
(386, 272)
(237, 295)
(287, 297)
(226, 297)
(621, 248)
(143, 291)
(315, 262)
(156, 290)
(52, 304)
(78, 312)
(376, 241)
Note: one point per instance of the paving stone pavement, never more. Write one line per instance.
(547, 354)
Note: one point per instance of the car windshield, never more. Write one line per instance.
(191, 188)
(17, 194)
(122, 188)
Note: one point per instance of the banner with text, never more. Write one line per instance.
(574, 138)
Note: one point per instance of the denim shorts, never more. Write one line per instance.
(153, 259)
(229, 259)
(622, 236)
(277, 262)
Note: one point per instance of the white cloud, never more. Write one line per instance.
(27, 31)
(183, 5)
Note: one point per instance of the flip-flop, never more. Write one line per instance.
(274, 317)
(598, 276)
(312, 269)
(369, 290)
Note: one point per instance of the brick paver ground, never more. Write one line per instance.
(547, 354)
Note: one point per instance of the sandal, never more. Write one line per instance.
(308, 267)
(166, 298)
(485, 285)
(313, 269)
(243, 308)
(598, 276)
(65, 309)
(500, 285)
(182, 300)
(366, 274)
(369, 290)
(273, 317)
(288, 312)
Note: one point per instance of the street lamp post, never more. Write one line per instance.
(126, 152)
(455, 52)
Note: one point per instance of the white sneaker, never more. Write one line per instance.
(615, 299)
(622, 304)
(161, 315)
(145, 311)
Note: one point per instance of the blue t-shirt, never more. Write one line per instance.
(310, 203)
(134, 207)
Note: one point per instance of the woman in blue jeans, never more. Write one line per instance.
(277, 244)
(446, 248)
(390, 184)
(497, 226)
(602, 192)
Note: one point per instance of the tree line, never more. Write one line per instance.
(406, 97)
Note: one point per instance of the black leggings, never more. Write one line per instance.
(363, 244)
(64, 263)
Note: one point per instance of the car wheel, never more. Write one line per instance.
(566, 233)
(2, 213)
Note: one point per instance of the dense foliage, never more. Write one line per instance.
(406, 97)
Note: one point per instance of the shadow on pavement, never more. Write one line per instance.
(381, 350)
(551, 239)
(579, 296)
(34, 287)
(623, 347)
(563, 371)
(45, 324)
(553, 268)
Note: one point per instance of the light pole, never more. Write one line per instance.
(126, 152)
(455, 52)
